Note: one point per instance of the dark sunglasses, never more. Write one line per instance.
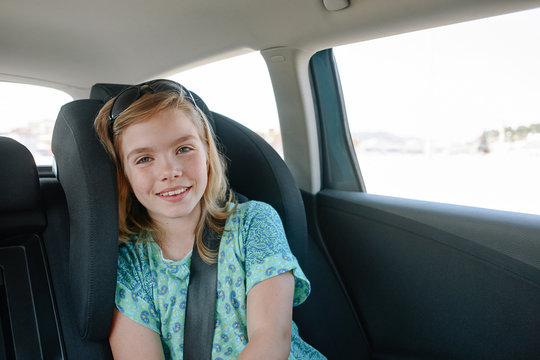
(131, 94)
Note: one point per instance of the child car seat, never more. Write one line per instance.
(87, 177)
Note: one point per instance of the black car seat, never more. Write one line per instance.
(88, 179)
(255, 171)
(28, 325)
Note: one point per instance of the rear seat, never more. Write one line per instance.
(28, 327)
(37, 313)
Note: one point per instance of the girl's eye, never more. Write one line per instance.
(183, 149)
(143, 160)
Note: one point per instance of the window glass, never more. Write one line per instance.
(28, 113)
(449, 114)
(239, 88)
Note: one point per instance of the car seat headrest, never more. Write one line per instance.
(88, 178)
(104, 92)
(20, 200)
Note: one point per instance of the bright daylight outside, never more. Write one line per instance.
(450, 114)
(28, 113)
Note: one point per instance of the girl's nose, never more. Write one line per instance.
(171, 170)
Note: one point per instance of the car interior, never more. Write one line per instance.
(391, 278)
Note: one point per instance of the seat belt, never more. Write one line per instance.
(201, 302)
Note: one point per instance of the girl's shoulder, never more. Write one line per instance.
(253, 208)
(134, 248)
(138, 256)
(249, 220)
(252, 215)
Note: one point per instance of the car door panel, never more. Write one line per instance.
(435, 280)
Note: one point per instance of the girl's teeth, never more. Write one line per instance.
(171, 193)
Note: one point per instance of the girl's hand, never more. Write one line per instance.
(131, 340)
(269, 318)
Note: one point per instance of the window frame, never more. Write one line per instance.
(339, 165)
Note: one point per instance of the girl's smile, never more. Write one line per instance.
(172, 193)
(165, 161)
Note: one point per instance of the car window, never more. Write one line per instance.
(449, 114)
(239, 88)
(28, 113)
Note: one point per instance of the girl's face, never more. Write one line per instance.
(165, 161)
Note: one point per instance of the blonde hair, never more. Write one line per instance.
(134, 220)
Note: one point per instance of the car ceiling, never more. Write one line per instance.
(72, 44)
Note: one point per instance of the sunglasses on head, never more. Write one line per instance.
(131, 94)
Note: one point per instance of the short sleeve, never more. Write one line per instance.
(267, 250)
(134, 288)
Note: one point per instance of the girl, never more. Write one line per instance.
(171, 186)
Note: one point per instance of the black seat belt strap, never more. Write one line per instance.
(201, 303)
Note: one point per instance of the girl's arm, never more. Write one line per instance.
(131, 340)
(269, 318)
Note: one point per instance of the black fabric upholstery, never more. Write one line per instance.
(28, 324)
(258, 172)
(88, 178)
(56, 241)
(19, 196)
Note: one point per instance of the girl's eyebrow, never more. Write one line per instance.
(138, 151)
(150, 149)
(184, 138)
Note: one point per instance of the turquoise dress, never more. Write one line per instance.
(152, 290)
